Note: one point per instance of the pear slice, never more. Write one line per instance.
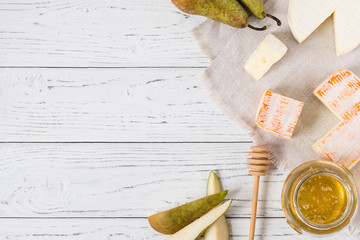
(194, 230)
(171, 221)
(220, 229)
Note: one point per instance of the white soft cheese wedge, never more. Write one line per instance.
(194, 229)
(267, 54)
(304, 16)
(347, 26)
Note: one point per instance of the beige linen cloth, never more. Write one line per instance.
(296, 75)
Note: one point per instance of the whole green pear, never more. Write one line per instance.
(171, 221)
(229, 12)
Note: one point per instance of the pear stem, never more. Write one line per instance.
(257, 28)
(275, 19)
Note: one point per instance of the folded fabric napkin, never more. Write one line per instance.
(296, 75)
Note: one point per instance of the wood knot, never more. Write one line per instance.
(259, 161)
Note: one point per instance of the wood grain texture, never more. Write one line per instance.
(92, 33)
(131, 229)
(54, 186)
(126, 179)
(110, 105)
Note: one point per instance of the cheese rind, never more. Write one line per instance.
(268, 53)
(278, 114)
(341, 144)
(341, 94)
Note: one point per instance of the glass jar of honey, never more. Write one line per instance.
(319, 197)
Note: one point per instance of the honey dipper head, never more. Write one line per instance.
(259, 161)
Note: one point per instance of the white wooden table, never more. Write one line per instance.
(103, 122)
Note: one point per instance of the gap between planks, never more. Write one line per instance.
(99, 67)
(103, 142)
(227, 217)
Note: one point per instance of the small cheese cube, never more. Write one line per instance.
(278, 114)
(341, 94)
(268, 53)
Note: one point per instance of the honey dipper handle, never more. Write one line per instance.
(254, 207)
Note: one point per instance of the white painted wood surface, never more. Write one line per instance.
(103, 122)
(125, 179)
(110, 105)
(93, 33)
(129, 229)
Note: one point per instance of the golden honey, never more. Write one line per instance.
(322, 199)
(319, 197)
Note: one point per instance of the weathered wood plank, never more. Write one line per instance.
(91, 33)
(130, 229)
(128, 105)
(125, 179)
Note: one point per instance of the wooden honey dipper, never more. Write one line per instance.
(258, 165)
